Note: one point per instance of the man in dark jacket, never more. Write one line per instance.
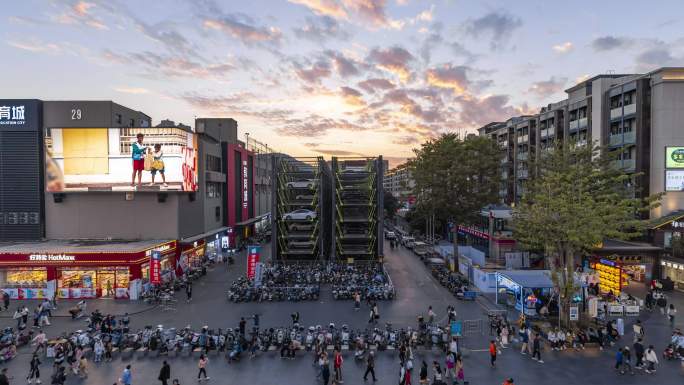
(639, 353)
(165, 373)
(4, 380)
(370, 366)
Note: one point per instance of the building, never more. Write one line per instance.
(79, 222)
(635, 115)
(399, 182)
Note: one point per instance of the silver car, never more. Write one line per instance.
(300, 215)
(302, 183)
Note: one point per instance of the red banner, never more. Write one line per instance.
(252, 260)
(155, 268)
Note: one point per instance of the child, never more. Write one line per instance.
(158, 164)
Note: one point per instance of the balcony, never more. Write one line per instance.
(504, 175)
(625, 164)
(503, 145)
(523, 139)
(583, 122)
(574, 125)
(629, 109)
(522, 156)
(522, 174)
(504, 160)
(622, 139)
(544, 133)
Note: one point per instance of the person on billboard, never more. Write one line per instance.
(158, 164)
(138, 151)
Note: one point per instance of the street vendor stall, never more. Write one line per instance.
(526, 289)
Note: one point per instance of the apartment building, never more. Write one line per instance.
(400, 183)
(635, 115)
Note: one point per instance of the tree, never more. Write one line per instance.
(577, 199)
(391, 205)
(454, 177)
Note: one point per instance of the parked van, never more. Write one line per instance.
(421, 249)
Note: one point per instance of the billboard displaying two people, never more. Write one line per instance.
(120, 159)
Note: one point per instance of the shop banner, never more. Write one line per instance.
(252, 260)
(258, 274)
(155, 268)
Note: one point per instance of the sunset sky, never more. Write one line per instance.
(330, 77)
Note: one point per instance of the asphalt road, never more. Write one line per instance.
(416, 290)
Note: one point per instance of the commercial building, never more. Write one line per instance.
(399, 182)
(635, 115)
(85, 213)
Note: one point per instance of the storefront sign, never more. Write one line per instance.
(258, 274)
(574, 313)
(252, 260)
(674, 157)
(12, 115)
(225, 243)
(162, 248)
(472, 231)
(632, 310)
(245, 192)
(155, 268)
(52, 257)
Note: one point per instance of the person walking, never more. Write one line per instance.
(370, 366)
(651, 359)
(34, 370)
(4, 379)
(525, 338)
(492, 353)
(188, 291)
(423, 373)
(450, 370)
(530, 341)
(6, 299)
(671, 311)
(402, 374)
(338, 365)
(536, 348)
(639, 353)
(83, 367)
(357, 300)
(618, 360)
(437, 376)
(126, 376)
(164, 373)
(242, 326)
(202, 365)
(376, 312)
(59, 377)
(431, 315)
(627, 360)
(325, 372)
(460, 375)
(638, 330)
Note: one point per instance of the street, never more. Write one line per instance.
(416, 290)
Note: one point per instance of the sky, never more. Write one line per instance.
(330, 77)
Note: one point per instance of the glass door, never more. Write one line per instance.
(106, 283)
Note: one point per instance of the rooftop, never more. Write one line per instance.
(78, 246)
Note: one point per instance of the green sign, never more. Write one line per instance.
(674, 157)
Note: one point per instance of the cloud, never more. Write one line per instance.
(448, 76)
(352, 96)
(313, 74)
(315, 126)
(334, 152)
(498, 25)
(582, 78)
(324, 7)
(344, 66)
(432, 40)
(372, 11)
(132, 90)
(395, 60)
(35, 45)
(658, 56)
(375, 84)
(173, 66)
(320, 29)
(406, 140)
(563, 47)
(243, 29)
(78, 13)
(607, 43)
(408, 105)
(546, 88)
(476, 112)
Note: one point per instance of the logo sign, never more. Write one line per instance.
(472, 231)
(161, 249)
(52, 257)
(674, 157)
(245, 194)
(155, 268)
(12, 115)
(252, 260)
(225, 243)
(574, 313)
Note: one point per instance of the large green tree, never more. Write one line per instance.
(391, 205)
(578, 198)
(455, 177)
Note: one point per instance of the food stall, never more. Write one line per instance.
(524, 289)
(611, 276)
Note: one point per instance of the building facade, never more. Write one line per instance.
(399, 182)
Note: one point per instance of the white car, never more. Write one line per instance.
(300, 215)
(302, 183)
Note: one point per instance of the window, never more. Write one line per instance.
(119, 119)
(627, 125)
(217, 212)
(213, 163)
(213, 190)
(131, 123)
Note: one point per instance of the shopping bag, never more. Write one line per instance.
(149, 159)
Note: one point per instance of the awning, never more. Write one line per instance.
(662, 221)
(203, 235)
(252, 220)
(533, 279)
(615, 245)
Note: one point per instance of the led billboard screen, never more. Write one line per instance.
(674, 157)
(120, 159)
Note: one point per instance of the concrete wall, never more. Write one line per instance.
(101, 215)
(91, 114)
(209, 147)
(667, 129)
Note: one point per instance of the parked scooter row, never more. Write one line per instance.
(242, 290)
(455, 283)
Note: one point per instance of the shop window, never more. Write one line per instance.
(213, 189)
(25, 278)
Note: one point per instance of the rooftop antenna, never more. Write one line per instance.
(610, 72)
